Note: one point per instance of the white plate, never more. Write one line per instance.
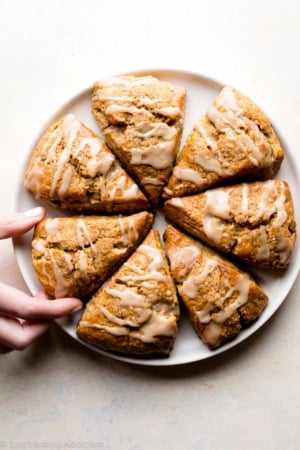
(188, 347)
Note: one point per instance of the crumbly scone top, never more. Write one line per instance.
(219, 297)
(254, 221)
(71, 162)
(233, 137)
(140, 299)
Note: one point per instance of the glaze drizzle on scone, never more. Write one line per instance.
(253, 221)
(72, 256)
(233, 139)
(220, 299)
(72, 168)
(136, 311)
(142, 121)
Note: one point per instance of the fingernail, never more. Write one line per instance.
(34, 212)
(77, 308)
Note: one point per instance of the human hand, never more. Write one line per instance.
(23, 318)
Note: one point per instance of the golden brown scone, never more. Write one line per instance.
(233, 141)
(72, 256)
(142, 121)
(220, 299)
(136, 311)
(72, 168)
(253, 221)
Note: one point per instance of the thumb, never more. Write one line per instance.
(12, 225)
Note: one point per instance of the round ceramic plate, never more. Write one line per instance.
(188, 347)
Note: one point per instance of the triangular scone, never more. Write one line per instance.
(253, 221)
(72, 256)
(136, 311)
(72, 168)
(142, 121)
(220, 299)
(234, 140)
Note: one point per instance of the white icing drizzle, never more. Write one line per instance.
(242, 289)
(187, 174)
(155, 254)
(70, 130)
(284, 247)
(217, 202)
(46, 273)
(171, 111)
(168, 191)
(263, 247)
(183, 256)
(159, 156)
(204, 314)
(132, 231)
(127, 296)
(229, 118)
(83, 265)
(216, 208)
(98, 159)
(221, 167)
(83, 236)
(35, 173)
(245, 198)
(61, 285)
(65, 183)
(157, 325)
(235, 297)
(114, 109)
(147, 321)
(177, 202)
(281, 214)
(210, 141)
(191, 284)
(155, 129)
(129, 232)
(267, 209)
(116, 331)
(152, 273)
(154, 181)
(270, 206)
(211, 158)
(212, 333)
(62, 282)
(39, 246)
(51, 227)
(128, 194)
(143, 316)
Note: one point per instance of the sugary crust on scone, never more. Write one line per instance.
(233, 141)
(219, 298)
(136, 311)
(253, 221)
(72, 256)
(72, 168)
(142, 121)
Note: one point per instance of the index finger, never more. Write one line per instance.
(12, 225)
(18, 304)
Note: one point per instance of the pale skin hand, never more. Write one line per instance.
(23, 318)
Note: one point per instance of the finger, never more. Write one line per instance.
(15, 335)
(12, 225)
(16, 303)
